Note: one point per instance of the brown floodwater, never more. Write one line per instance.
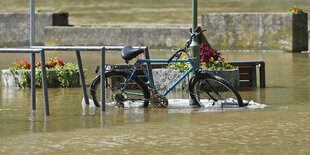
(283, 127)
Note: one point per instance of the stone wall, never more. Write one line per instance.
(235, 31)
(15, 27)
(267, 31)
(109, 36)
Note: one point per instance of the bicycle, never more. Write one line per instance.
(125, 86)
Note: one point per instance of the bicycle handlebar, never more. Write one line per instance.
(176, 54)
(188, 42)
(169, 60)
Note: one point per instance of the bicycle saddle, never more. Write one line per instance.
(129, 53)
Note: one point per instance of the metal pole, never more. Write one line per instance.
(44, 84)
(194, 47)
(32, 22)
(149, 66)
(33, 81)
(79, 60)
(194, 14)
(32, 55)
(102, 78)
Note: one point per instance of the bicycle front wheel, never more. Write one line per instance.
(116, 93)
(209, 90)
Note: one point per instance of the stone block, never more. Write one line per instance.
(110, 36)
(15, 27)
(257, 31)
(165, 78)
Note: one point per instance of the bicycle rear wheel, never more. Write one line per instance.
(206, 89)
(136, 91)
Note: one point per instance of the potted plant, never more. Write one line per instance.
(211, 61)
(59, 74)
(295, 10)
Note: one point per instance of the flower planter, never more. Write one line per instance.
(14, 79)
(164, 78)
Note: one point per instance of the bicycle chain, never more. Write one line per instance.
(159, 101)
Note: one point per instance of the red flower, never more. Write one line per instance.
(26, 65)
(206, 52)
(38, 63)
(60, 62)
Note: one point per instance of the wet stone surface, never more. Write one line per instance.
(165, 78)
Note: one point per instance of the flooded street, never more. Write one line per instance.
(281, 128)
(279, 124)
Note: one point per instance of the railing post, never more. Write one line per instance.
(32, 55)
(44, 83)
(149, 66)
(33, 81)
(102, 78)
(82, 77)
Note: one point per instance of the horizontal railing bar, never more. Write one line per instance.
(121, 47)
(84, 48)
(20, 50)
(70, 48)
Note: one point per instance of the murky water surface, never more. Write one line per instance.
(281, 128)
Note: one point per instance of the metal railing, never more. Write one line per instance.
(41, 49)
(77, 50)
(33, 86)
(102, 50)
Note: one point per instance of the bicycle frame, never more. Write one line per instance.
(141, 61)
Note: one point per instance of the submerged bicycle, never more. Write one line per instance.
(124, 86)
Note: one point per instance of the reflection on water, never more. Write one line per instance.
(282, 128)
(174, 106)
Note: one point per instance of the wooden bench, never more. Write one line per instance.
(247, 70)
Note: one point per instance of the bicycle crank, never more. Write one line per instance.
(118, 97)
(159, 101)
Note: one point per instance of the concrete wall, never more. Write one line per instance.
(152, 37)
(268, 31)
(15, 27)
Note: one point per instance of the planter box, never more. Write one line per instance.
(14, 79)
(164, 78)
